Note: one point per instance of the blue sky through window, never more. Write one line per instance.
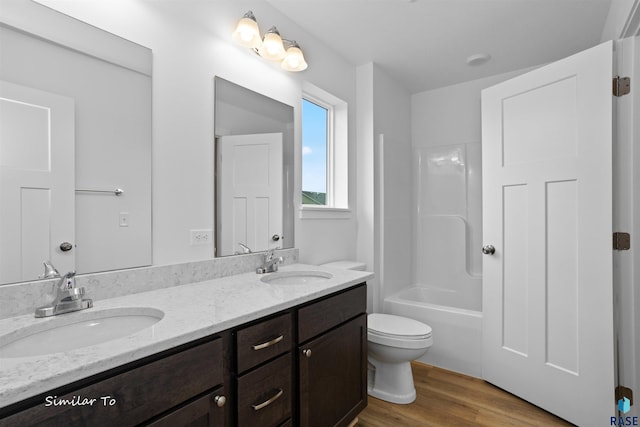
(314, 147)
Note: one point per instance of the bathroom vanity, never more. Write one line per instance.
(302, 361)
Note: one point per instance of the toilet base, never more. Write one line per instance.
(391, 382)
(392, 398)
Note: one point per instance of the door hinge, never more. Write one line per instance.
(621, 86)
(621, 241)
(622, 392)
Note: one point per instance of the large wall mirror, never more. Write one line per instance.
(254, 148)
(75, 149)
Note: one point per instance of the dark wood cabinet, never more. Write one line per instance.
(132, 396)
(263, 341)
(265, 395)
(328, 364)
(333, 359)
(305, 366)
(333, 369)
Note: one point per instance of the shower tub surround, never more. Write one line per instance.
(457, 326)
(446, 290)
(193, 308)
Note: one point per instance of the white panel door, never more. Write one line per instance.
(547, 210)
(250, 192)
(37, 185)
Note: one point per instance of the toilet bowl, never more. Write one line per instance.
(393, 342)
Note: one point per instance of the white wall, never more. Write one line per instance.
(392, 129)
(622, 21)
(368, 236)
(384, 182)
(191, 43)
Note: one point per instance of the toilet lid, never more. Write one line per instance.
(398, 326)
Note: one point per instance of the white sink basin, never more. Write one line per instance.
(76, 330)
(296, 277)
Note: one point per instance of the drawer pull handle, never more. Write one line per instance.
(268, 343)
(269, 401)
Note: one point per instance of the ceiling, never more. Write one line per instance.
(424, 44)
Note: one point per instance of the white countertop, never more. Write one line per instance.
(190, 312)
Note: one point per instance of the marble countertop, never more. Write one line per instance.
(191, 312)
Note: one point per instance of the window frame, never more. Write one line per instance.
(337, 202)
(329, 149)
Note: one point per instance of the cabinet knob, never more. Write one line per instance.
(307, 352)
(66, 246)
(220, 401)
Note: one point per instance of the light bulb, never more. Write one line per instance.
(247, 32)
(272, 47)
(294, 60)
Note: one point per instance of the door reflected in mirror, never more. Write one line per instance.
(75, 126)
(254, 171)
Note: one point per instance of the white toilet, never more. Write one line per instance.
(394, 341)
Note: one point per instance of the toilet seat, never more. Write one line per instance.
(398, 331)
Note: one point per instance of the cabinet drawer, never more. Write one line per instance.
(264, 341)
(265, 395)
(318, 317)
(206, 411)
(132, 396)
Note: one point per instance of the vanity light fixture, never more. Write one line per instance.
(272, 46)
(247, 32)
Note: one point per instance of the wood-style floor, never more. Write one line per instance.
(447, 398)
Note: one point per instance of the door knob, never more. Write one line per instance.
(66, 246)
(488, 250)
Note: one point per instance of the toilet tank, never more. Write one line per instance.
(346, 265)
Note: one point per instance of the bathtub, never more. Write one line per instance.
(456, 322)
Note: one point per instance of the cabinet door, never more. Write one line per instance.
(333, 375)
(207, 411)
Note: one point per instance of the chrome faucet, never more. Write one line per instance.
(270, 263)
(50, 271)
(68, 296)
(245, 249)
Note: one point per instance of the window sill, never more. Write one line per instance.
(317, 212)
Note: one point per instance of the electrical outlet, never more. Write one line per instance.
(123, 219)
(201, 237)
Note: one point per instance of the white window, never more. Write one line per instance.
(324, 154)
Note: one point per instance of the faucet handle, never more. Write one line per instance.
(245, 249)
(68, 281)
(269, 254)
(50, 271)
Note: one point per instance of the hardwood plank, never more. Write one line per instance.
(446, 398)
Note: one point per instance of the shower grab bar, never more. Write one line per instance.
(117, 191)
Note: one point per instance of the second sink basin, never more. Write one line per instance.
(77, 330)
(296, 277)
